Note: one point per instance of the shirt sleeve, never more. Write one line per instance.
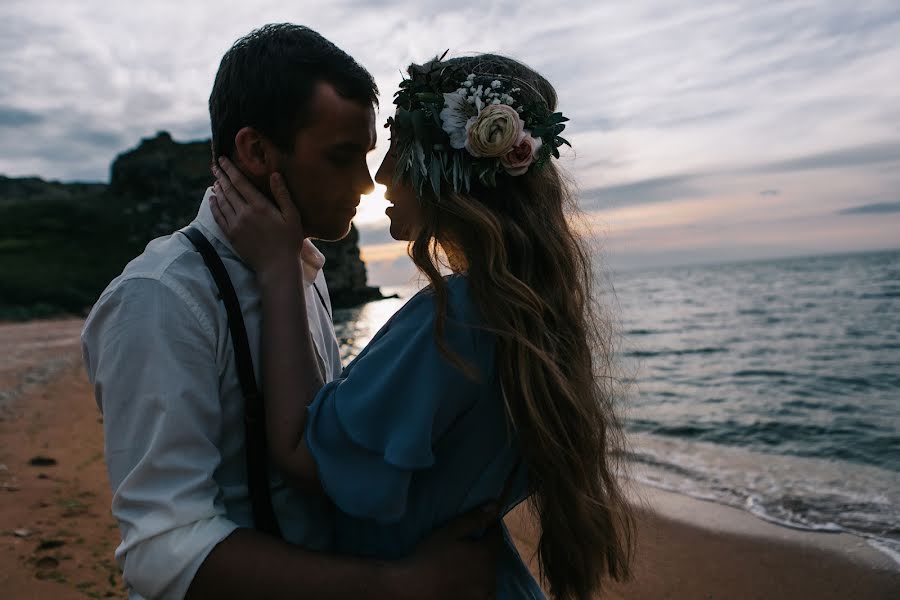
(369, 430)
(153, 367)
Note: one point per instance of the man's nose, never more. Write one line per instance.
(368, 185)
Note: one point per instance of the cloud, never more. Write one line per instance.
(705, 183)
(644, 191)
(678, 69)
(101, 138)
(670, 100)
(16, 117)
(878, 208)
(858, 156)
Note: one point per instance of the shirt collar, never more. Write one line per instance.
(311, 259)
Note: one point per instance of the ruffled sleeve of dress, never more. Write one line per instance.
(369, 430)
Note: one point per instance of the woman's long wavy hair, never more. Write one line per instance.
(531, 278)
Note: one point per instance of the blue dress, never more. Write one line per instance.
(404, 441)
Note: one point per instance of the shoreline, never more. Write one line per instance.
(687, 548)
(57, 537)
(729, 520)
(671, 505)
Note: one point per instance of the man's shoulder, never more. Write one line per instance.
(168, 264)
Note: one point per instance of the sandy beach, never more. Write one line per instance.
(57, 536)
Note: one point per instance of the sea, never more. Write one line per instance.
(772, 386)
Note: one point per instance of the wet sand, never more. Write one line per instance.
(57, 537)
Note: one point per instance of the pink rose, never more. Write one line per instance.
(517, 160)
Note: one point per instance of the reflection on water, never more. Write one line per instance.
(355, 327)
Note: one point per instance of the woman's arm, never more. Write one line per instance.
(269, 238)
(450, 564)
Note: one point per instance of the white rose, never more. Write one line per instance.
(494, 132)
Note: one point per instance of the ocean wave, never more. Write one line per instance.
(776, 381)
(880, 296)
(764, 510)
(643, 331)
(800, 493)
(891, 549)
(850, 440)
(684, 352)
(760, 373)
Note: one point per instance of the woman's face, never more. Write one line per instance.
(406, 212)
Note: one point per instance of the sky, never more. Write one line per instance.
(702, 131)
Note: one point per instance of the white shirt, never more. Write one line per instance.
(158, 353)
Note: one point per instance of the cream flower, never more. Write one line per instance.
(517, 160)
(494, 131)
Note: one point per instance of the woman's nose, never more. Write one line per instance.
(384, 173)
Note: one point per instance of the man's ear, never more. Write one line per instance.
(254, 152)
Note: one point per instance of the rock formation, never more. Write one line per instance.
(61, 243)
(165, 179)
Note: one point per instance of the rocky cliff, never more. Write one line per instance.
(165, 180)
(61, 243)
(345, 272)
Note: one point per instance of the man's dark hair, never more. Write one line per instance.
(266, 80)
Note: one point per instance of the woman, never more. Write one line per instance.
(491, 384)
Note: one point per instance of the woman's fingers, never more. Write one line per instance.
(245, 190)
(218, 215)
(225, 188)
(283, 197)
(226, 207)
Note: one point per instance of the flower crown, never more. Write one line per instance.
(482, 129)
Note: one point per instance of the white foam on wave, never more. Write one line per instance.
(755, 507)
(800, 493)
(888, 548)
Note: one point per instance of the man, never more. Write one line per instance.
(158, 352)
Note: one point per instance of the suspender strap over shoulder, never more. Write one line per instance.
(254, 410)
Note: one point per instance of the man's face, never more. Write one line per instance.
(327, 171)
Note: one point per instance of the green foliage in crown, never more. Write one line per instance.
(480, 130)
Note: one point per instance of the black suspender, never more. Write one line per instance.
(322, 300)
(254, 411)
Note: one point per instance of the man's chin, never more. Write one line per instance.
(332, 234)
